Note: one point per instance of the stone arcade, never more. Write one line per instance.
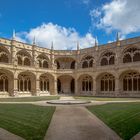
(107, 70)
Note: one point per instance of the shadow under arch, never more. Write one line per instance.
(65, 84)
(6, 82)
(27, 83)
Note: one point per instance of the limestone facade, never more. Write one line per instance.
(112, 69)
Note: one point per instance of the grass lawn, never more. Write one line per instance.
(124, 118)
(25, 120)
(104, 98)
(29, 99)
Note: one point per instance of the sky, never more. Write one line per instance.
(68, 22)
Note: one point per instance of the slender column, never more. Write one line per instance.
(76, 87)
(37, 90)
(4, 85)
(54, 92)
(137, 85)
(117, 86)
(94, 87)
(15, 86)
(19, 85)
(23, 85)
(27, 85)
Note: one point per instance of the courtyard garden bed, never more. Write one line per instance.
(124, 118)
(28, 121)
(28, 99)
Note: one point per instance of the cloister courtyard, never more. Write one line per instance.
(103, 118)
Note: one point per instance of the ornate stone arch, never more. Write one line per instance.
(105, 83)
(65, 62)
(85, 84)
(107, 58)
(4, 55)
(6, 82)
(131, 54)
(26, 83)
(24, 58)
(87, 61)
(130, 82)
(43, 61)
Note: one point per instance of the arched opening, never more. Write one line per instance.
(104, 62)
(45, 64)
(65, 63)
(107, 83)
(72, 86)
(108, 58)
(111, 60)
(65, 84)
(85, 84)
(26, 61)
(24, 58)
(4, 83)
(136, 57)
(91, 63)
(87, 62)
(4, 54)
(73, 65)
(131, 82)
(4, 58)
(131, 55)
(19, 60)
(26, 83)
(44, 84)
(58, 86)
(127, 58)
(43, 61)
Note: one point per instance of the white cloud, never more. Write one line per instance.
(86, 2)
(63, 38)
(122, 15)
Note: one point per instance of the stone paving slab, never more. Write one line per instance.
(77, 123)
(136, 137)
(66, 98)
(6, 135)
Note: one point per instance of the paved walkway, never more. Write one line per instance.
(6, 135)
(77, 123)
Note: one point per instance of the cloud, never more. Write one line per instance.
(86, 2)
(63, 38)
(121, 15)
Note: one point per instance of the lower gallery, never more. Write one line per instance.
(111, 70)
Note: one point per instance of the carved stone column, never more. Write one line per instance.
(37, 85)
(54, 90)
(94, 87)
(15, 89)
(117, 89)
(76, 87)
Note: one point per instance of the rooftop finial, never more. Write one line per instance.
(34, 40)
(78, 47)
(14, 35)
(117, 37)
(96, 42)
(52, 46)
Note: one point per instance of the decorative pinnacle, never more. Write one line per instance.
(78, 47)
(117, 37)
(96, 42)
(34, 40)
(14, 35)
(52, 46)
